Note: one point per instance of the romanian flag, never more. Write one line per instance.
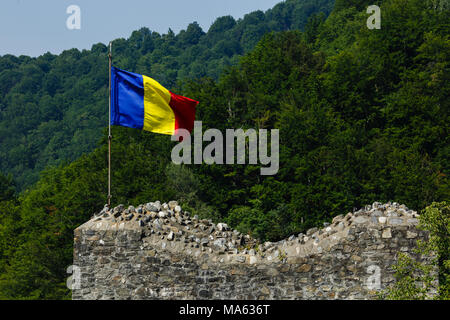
(140, 102)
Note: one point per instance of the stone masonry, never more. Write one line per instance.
(158, 251)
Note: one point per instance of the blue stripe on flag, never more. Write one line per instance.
(127, 99)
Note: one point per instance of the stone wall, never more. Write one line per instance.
(157, 251)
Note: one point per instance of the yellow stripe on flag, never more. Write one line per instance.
(158, 115)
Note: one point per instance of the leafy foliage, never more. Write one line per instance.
(419, 281)
(52, 108)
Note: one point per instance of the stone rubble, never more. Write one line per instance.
(159, 251)
(169, 222)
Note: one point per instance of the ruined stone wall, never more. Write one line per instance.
(157, 251)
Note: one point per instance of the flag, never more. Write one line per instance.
(140, 102)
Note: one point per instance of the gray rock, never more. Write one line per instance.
(311, 231)
(118, 209)
(220, 243)
(151, 207)
(395, 221)
(360, 220)
(386, 233)
(222, 227)
(172, 204)
(411, 235)
(376, 213)
(157, 224)
(376, 205)
(162, 214)
(382, 220)
(392, 213)
(104, 210)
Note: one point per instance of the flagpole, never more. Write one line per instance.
(109, 128)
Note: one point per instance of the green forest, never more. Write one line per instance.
(67, 95)
(363, 116)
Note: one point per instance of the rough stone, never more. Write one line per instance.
(304, 268)
(172, 204)
(338, 218)
(360, 219)
(382, 220)
(222, 227)
(311, 231)
(411, 235)
(129, 254)
(395, 221)
(151, 207)
(386, 233)
(162, 214)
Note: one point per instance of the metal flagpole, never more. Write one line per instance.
(109, 128)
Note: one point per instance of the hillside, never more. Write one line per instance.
(52, 108)
(363, 117)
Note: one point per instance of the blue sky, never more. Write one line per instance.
(33, 27)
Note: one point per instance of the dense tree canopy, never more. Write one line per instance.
(52, 108)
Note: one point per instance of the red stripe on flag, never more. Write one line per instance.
(184, 110)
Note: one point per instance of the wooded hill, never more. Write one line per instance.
(52, 107)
